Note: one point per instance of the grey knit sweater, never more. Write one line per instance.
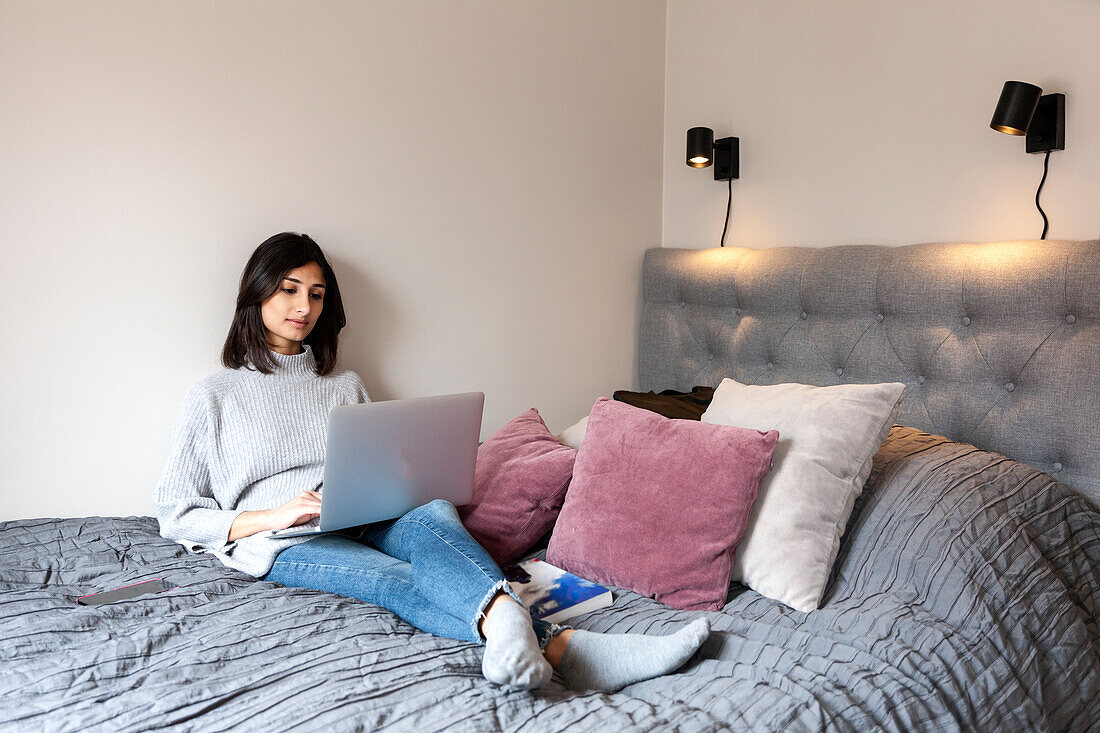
(246, 441)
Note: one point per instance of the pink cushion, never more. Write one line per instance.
(519, 484)
(658, 505)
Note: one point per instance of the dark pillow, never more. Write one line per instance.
(670, 403)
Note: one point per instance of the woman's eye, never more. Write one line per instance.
(316, 296)
(289, 290)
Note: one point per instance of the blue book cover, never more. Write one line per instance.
(552, 594)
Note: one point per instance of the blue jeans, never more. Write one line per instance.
(424, 566)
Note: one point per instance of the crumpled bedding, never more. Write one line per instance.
(965, 598)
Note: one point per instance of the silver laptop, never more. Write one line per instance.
(384, 458)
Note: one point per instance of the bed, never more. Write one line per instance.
(965, 596)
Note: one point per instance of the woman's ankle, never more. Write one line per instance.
(499, 598)
(555, 648)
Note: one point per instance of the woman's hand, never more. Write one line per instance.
(299, 510)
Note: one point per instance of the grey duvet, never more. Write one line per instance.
(965, 598)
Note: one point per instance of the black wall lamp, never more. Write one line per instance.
(1023, 109)
(724, 154)
(703, 150)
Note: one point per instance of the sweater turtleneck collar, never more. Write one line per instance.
(295, 366)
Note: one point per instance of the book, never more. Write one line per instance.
(552, 594)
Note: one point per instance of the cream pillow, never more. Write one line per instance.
(827, 439)
(573, 435)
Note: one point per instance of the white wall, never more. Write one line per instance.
(866, 121)
(484, 175)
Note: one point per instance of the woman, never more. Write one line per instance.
(247, 457)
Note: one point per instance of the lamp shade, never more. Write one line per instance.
(1016, 107)
(700, 146)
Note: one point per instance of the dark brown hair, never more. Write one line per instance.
(246, 344)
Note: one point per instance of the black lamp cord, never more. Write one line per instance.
(1046, 223)
(730, 201)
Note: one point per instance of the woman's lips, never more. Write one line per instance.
(299, 324)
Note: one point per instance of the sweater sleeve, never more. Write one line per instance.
(186, 508)
(360, 395)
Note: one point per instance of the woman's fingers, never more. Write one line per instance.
(303, 508)
(305, 518)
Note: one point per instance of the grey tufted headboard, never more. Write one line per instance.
(998, 344)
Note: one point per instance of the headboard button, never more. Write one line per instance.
(1057, 467)
(737, 311)
(880, 317)
(770, 365)
(1010, 387)
(920, 379)
(1071, 318)
(803, 315)
(839, 372)
(966, 320)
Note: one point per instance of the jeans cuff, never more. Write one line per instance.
(545, 631)
(502, 585)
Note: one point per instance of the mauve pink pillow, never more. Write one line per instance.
(519, 484)
(658, 505)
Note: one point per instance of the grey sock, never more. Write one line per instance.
(608, 662)
(512, 655)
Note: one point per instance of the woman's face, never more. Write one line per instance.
(292, 311)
